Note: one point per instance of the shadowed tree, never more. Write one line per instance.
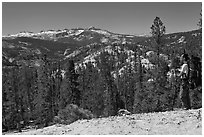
(158, 30)
(106, 65)
(73, 77)
(138, 89)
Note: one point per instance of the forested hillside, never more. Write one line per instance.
(96, 70)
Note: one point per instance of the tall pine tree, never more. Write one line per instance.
(158, 30)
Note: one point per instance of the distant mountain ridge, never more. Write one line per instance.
(56, 34)
(85, 44)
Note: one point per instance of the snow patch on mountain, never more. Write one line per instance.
(130, 36)
(23, 34)
(50, 32)
(101, 32)
(78, 32)
(74, 34)
(42, 34)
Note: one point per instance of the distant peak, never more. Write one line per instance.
(26, 32)
(91, 27)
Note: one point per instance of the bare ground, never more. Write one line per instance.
(180, 122)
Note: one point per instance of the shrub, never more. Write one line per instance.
(72, 113)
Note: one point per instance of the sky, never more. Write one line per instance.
(118, 17)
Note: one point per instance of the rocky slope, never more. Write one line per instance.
(179, 122)
(84, 44)
(58, 45)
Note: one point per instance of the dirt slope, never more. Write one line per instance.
(162, 123)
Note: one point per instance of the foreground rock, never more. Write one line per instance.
(179, 122)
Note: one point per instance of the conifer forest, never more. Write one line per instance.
(38, 85)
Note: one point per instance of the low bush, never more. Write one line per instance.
(72, 113)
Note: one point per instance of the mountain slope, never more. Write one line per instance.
(178, 122)
(57, 45)
(85, 44)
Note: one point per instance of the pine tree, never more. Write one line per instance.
(42, 102)
(139, 87)
(12, 101)
(24, 93)
(65, 92)
(119, 59)
(8, 99)
(56, 80)
(70, 92)
(76, 94)
(105, 63)
(158, 31)
(91, 89)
